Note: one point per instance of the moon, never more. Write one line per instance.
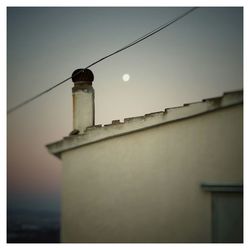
(126, 77)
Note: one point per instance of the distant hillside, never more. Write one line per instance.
(33, 226)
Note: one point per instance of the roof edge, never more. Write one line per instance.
(97, 133)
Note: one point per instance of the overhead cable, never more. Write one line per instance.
(156, 30)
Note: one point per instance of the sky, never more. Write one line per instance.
(198, 57)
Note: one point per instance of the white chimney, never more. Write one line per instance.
(83, 100)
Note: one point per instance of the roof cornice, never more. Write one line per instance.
(134, 124)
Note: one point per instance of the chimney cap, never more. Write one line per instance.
(82, 75)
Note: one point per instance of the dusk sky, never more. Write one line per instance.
(198, 57)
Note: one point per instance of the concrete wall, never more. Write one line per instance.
(145, 186)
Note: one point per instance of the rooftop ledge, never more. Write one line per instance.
(117, 128)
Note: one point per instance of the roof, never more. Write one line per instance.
(98, 133)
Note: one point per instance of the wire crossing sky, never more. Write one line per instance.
(156, 30)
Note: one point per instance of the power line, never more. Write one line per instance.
(156, 30)
(145, 36)
(36, 96)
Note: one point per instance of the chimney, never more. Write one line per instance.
(83, 100)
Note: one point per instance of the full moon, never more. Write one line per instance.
(125, 77)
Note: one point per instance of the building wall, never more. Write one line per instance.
(145, 186)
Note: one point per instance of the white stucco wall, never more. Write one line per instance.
(145, 186)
